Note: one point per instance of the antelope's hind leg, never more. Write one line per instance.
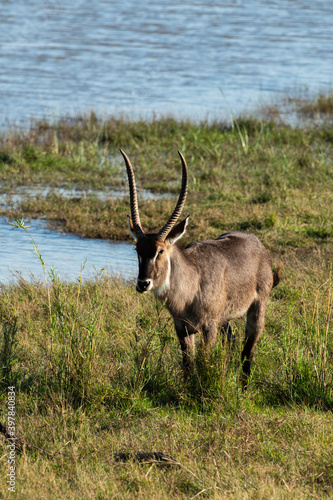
(254, 326)
(227, 335)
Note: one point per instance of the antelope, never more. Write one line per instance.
(206, 284)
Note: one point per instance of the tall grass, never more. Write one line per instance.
(304, 374)
(103, 374)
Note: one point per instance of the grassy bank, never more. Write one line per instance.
(96, 366)
(97, 370)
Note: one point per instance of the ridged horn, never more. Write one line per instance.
(137, 228)
(163, 233)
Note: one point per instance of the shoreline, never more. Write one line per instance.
(248, 173)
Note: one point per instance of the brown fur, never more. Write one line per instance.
(210, 283)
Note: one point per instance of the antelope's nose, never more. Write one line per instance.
(143, 285)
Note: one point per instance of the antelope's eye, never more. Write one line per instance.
(161, 252)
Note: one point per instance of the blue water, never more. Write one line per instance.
(66, 254)
(195, 58)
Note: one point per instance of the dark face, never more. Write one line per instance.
(154, 265)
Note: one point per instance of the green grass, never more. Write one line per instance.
(99, 371)
(97, 367)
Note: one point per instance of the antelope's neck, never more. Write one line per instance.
(183, 282)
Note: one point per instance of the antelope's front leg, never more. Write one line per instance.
(210, 335)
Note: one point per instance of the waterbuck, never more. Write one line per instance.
(206, 284)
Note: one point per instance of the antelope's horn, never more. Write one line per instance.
(137, 228)
(163, 233)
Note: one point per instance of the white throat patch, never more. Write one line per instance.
(162, 289)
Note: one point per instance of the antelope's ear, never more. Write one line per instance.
(177, 231)
(131, 228)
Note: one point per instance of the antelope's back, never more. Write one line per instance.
(240, 260)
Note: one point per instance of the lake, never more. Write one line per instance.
(197, 59)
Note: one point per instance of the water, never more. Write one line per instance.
(65, 253)
(12, 198)
(195, 58)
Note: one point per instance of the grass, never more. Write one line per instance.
(97, 367)
(91, 380)
(246, 177)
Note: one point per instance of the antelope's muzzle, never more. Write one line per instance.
(143, 285)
